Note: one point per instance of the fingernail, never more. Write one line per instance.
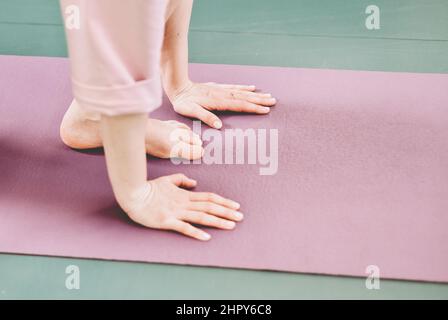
(267, 95)
(266, 109)
(236, 205)
(239, 215)
(217, 124)
(205, 236)
(230, 224)
(273, 100)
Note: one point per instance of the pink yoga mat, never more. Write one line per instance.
(362, 176)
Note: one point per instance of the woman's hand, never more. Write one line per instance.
(163, 204)
(197, 100)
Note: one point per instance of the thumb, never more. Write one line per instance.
(181, 180)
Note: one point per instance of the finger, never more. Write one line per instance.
(257, 98)
(249, 93)
(213, 197)
(187, 229)
(181, 180)
(188, 151)
(235, 86)
(207, 220)
(215, 209)
(235, 105)
(207, 117)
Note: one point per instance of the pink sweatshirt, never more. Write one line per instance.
(114, 48)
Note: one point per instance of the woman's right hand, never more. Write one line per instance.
(163, 204)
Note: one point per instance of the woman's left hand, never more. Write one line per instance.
(197, 100)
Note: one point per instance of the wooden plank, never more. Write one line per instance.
(400, 19)
(261, 49)
(33, 277)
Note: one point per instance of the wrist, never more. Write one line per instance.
(132, 201)
(174, 87)
(174, 73)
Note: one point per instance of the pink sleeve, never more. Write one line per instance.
(114, 48)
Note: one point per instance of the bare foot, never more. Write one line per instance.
(78, 131)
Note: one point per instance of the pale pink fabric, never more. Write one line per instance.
(115, 54)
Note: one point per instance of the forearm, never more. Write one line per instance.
(124, 147)
(174, 59)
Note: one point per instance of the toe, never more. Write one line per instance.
(190, 151)
(190, 137)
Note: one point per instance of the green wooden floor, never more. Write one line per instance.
(297, 33)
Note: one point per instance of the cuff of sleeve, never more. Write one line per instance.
(140, 97)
